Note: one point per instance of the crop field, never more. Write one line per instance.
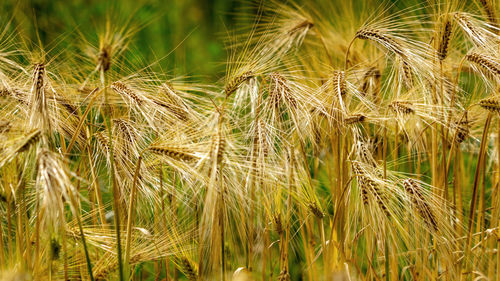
(250, 141)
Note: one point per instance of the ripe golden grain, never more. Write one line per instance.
(485, 61)
(491, 104)
(124, 90)
(420, 203)
(353, 119)
(279, 88)
(402, 107)
(172, 152)
(463, 129)
(445, 37)
(384, 39)
(236, 82)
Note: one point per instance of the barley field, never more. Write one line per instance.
(282, 140)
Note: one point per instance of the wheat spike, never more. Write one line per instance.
(14, 93)
(126, 128)
(359, 174)
(419, 202)
(279, 88)
(102, 139)
(284, 275)
(104, 272)
(172, 96)
(463, 129)
(66, 104)
(315, 210)
(365, 155)
(475, 34)
(339, 82)
(4, 92)
(356, 118)
(19, 96)
(235, 83)
(385, 40)
(124, 90)
(444, 37)
(188, 268)
(175, 110)
(371, 73)
(484, 61)
(221, 149)
(55, 249)
(368, 186)
(491, 104)
(39, 77)
(407, 74)
(402, 107)
(38, 102)
(278, 223)
(172, 152)
(104, 58)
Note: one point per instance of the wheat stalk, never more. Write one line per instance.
(255, 179)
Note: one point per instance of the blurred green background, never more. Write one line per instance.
(187, 34)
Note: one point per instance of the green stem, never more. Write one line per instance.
(87, 256)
